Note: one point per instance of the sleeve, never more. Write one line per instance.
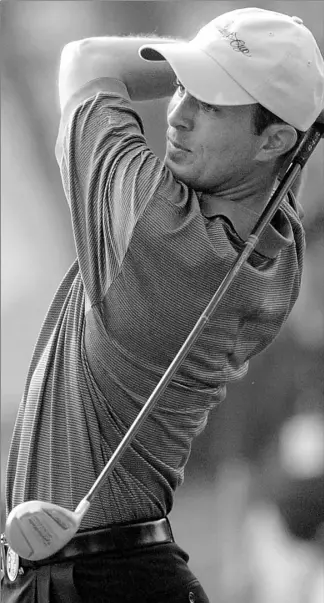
(109, 176)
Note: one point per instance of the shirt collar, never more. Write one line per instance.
(276, 236)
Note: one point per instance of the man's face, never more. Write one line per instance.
(219, 144)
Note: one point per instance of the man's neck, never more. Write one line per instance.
(254, 195)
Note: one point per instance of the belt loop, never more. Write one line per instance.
(170, 528)
(62, 580)
(43, 580)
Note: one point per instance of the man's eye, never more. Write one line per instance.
(208, 108)
(180, 88)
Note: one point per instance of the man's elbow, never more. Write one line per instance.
(70, 72)
(81, 62)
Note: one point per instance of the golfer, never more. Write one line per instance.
(153, 241)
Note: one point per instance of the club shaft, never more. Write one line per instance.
(307, 146)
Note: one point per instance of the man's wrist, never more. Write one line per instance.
(116, 57)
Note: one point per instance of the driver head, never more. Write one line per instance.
(36, 530)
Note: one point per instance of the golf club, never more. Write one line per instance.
(36, 530)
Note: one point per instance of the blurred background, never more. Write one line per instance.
(251, 511)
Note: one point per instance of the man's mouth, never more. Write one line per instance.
(177, 145)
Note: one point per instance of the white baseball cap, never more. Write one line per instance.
(251, 55)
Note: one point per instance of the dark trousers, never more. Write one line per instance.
(152, 574)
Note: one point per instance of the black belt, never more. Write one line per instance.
(104, 540)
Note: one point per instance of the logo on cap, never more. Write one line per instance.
(237, 44)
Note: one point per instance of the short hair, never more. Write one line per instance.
(264, 118)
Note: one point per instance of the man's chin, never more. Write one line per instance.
(180, 173)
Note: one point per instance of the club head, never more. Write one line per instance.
(36, 530)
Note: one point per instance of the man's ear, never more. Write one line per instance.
(276, 140)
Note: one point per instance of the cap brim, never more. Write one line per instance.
(201, 75)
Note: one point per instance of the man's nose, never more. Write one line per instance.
(181, 113)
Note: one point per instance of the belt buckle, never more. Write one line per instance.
(12, 564)
(3, 557)
(9, 561)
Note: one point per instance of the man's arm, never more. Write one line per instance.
(115, 57)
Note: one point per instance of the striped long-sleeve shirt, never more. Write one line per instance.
(150, 254)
